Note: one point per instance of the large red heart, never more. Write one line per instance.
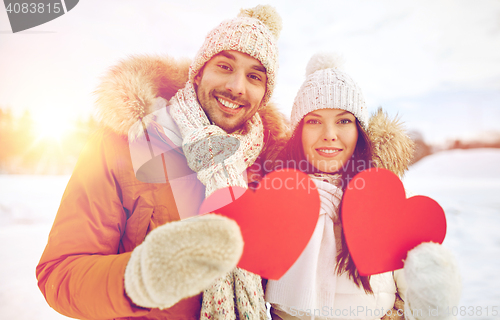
(381, 225)
(276, 221)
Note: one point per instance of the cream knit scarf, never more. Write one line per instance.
(220, 160)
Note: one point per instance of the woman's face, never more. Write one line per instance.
(329, 138)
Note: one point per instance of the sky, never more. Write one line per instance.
(433, 63)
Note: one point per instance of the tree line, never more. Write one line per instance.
(24, 151)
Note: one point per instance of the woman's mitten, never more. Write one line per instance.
(182, 258)
(434, 282)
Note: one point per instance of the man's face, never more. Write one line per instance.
(230, 88)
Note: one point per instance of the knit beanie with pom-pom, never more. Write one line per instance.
(328, 87)
(254, 31)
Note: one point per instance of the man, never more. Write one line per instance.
(98, 263)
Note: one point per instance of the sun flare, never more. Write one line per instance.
(51, 126)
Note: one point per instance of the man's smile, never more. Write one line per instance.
(227, 103)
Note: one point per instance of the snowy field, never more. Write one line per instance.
(465, 182)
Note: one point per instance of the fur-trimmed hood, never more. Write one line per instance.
(129, 92)
(392, 147)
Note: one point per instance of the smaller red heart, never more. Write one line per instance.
(381, 225)
(276, 222)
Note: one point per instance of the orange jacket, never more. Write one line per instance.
(107, 210)
(104, 214)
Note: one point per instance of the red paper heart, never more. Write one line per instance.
(381, 225)
(276, 221)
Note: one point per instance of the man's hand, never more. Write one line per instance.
(182, 258)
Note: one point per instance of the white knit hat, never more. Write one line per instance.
(327, 87)
(255, 32)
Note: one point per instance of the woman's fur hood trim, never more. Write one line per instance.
(392, 147)
(130, 90)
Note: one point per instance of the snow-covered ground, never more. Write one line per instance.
(465, 182)
(28, 205)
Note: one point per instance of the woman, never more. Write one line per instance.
(330, 142)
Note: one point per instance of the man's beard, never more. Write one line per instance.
(209, 104)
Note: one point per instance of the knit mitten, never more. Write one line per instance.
(434, 283)
(182, 258)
